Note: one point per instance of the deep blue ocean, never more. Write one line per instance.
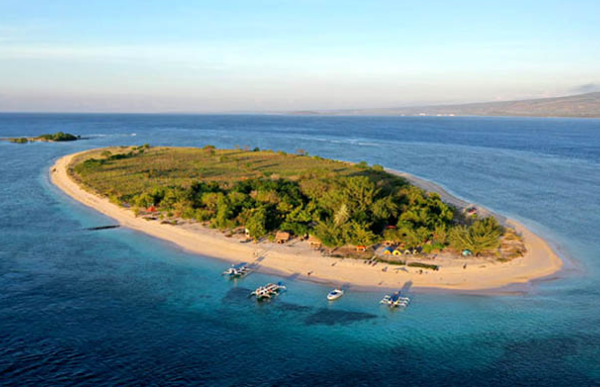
(116, 307)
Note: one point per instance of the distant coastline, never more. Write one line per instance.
(575, 106)
(298, 259)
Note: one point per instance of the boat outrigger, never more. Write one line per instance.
(268, 291)
(238, 270)
(395, 300)
(335, 294)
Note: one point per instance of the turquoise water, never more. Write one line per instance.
(117, 307)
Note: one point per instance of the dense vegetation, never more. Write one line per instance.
(19, 140)
(265, 191)
(59, 136)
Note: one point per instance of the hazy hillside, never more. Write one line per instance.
(583, 105)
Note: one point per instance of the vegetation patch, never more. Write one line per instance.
(264, 191)
(59, 136)
(424, 266)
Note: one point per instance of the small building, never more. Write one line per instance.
(388, 251)
(282, 237)
(361, 248)
(314, 242)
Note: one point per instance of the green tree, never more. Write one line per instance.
(256, 223)
(481, 236)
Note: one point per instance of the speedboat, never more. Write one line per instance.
(395, 300)
(237, 271)
(335, 294)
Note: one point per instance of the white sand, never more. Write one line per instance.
(297, 258)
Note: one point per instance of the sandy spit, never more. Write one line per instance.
(297, 259)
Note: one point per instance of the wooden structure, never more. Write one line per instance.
(282, 237)
(314, 242)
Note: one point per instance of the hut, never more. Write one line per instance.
(314, 242)
(388, 251)
(361, 248)
(282, 237)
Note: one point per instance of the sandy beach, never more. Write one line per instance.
(297, 259)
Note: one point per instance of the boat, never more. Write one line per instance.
(268, 291)
(395, 300)
(335, 294)
(238, 270)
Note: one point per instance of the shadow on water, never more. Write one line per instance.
(236, 295)
(325, 316)
(290, 307)
(102, 228)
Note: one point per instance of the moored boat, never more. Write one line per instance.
(395, 300)
(335, 294)
(238, 270)
(268, 291)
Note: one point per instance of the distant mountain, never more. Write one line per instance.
(582, 105)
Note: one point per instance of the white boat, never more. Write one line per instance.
(268, 291)
(335, 294)
(237, 271)
(395, 300)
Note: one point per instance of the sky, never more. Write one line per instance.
(233, 56)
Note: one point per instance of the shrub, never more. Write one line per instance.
(21, 140)
(424, 266)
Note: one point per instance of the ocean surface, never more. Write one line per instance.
(116, 307)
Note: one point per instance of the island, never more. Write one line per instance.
(55, 137)
(306, 216)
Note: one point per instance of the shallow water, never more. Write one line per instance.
(118, 307)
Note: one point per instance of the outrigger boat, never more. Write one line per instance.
(335, 294)
(237, 271)
(395, 300)
(268, 291)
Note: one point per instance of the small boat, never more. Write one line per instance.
(268, 291)
(335, 294)
(395, 300)
(237, 271)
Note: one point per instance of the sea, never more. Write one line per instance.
(117, 307)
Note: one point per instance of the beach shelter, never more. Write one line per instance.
(388, 251)
(282, 236)
(314, 242)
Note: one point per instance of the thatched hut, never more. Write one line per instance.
(314, 242)
(282, 237)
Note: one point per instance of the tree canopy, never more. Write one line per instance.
(341, 204)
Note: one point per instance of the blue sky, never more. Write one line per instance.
(202, 56)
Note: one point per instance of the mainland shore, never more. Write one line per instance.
(299, 260)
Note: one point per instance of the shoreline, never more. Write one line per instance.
(296, 259)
